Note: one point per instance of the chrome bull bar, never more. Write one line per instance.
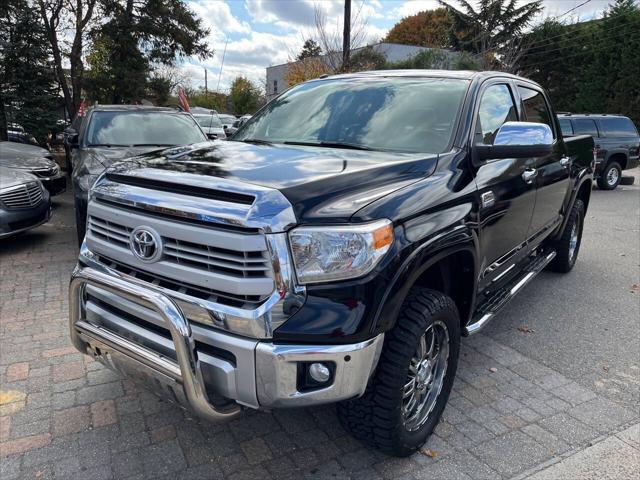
(187, 372)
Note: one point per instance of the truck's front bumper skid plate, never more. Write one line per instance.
(264, 376)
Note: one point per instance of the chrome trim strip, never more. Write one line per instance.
(502, 274)
(190, 371)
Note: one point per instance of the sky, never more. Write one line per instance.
(260, 33)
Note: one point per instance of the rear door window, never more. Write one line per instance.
(584, 126)
(535, 107)
(618, 127)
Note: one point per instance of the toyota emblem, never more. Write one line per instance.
(146, 244)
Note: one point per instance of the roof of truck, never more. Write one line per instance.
(461, 74)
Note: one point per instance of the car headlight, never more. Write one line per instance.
(322, 254)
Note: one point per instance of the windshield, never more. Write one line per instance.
(208, 121)
(121, 128)
(397, 114)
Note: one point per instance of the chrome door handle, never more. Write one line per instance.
(565, 161)
(529, 175)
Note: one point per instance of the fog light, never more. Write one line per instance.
(319, 372)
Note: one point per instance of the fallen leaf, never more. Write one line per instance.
(526, 329)
(493, 369)
(605, 368)
(635, 287)
(429, 453)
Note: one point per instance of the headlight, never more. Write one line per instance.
(87, 173)
(322, 254)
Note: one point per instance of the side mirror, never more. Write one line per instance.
(517, 140)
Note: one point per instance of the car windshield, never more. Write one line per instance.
(208, 121)
(396, 114)
(121, 128)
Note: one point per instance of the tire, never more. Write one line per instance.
(566, 250)
(611, 175)
(377, 417)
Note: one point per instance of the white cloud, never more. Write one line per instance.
(292, 13)
(218, 18)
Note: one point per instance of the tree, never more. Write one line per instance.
(492, 27)
(27, 79)
(306, 69)
(245, 97)
(64, 16)
(367, 58)
(310, 49)
(136, 35)
(430, 28)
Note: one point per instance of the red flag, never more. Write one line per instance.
(183, 100)
(82, 109)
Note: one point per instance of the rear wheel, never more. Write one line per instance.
(568, 245)
(407, 395)
(611, 176)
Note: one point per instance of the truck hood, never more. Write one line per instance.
(322, 184)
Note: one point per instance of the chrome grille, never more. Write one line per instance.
(242, 264)
(23, 196)
(225, 263)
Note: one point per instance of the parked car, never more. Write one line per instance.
(111, 133)
(210, 124)
(227, 120)
(35, 160)
(237, 124)
(315, 258)
(24, 202)
(617, 143)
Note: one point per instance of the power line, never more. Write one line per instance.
(572, 9)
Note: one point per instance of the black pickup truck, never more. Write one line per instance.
(336, 250)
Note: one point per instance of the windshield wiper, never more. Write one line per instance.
(352, 146)
(257, 141)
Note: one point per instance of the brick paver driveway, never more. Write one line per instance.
(63, 416)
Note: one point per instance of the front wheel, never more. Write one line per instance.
(611, 176)
(407, 395)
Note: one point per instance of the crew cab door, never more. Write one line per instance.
(506, 199)
(551, 172)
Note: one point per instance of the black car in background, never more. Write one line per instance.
(617, 143)
(110, 133)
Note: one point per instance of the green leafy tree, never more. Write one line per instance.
(430, 28)
(310, 49)
(27, 79)
(136, 35)
(490, 30)
(245, 97)
(589, 67)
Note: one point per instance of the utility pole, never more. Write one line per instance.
(206, 86)
(346, 36)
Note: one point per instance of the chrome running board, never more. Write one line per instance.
(495, 302)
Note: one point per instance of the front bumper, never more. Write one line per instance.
(20, 220)
(205, 370)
